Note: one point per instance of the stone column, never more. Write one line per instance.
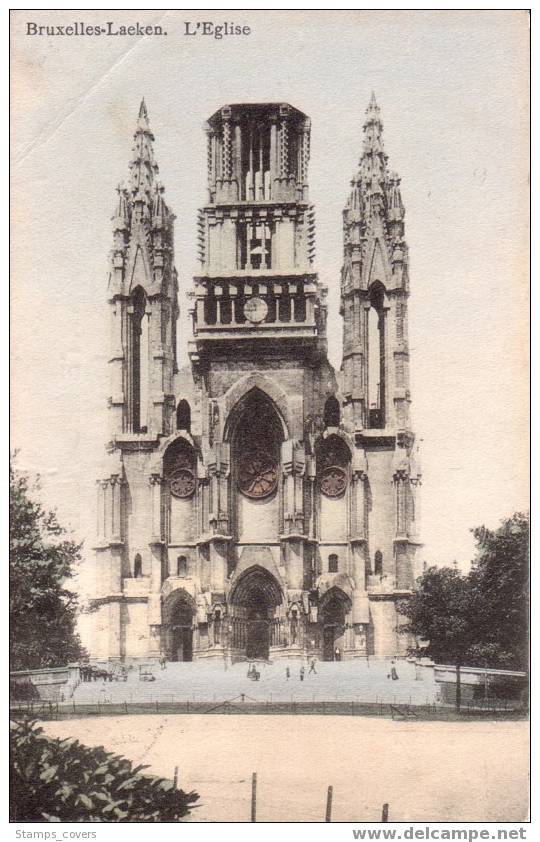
(293, 461)
(116, 362)
(114, 624)
(219, 552)
(219, 472)
(156, 482)
(101, 485)
(157, 565)
(116, 507)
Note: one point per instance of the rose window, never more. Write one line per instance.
(334, 481)
(258, 474)
(182, 482)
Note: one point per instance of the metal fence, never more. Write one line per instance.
(243, 704)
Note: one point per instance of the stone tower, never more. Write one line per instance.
(375, 370)
(257, 505)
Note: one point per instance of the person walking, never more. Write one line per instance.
(287, 673)
(312, 667)
(302, 672)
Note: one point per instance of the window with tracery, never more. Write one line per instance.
(257, 449)
(333, 458)
(179, 469)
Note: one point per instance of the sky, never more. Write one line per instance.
(453, 91)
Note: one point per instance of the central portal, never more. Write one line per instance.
(257, 637)
(254, 599)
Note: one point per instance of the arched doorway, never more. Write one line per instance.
(178, 627)
(254, 601)
(334, 606)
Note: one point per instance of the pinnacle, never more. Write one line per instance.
(373, 112)
(142, 110)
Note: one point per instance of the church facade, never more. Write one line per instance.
(256, 503)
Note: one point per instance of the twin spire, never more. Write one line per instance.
(372, 178)
(142, 187)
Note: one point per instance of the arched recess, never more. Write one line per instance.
(377, 366)
(334, 606)
(256, 433)
(254, 600)
(183, 416)
(178, 614)
(180, 485)
(138, 362)
(332, 412)
(268, 387)
(333, 460)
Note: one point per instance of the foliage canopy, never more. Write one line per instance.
(61, 780)
(42, 557)
(480, 618)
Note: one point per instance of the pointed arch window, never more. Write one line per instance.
(376, 357)
(183, 416)
(139, 362)
(333, 461)
(137, 566)
(333, 563)
(181, 566)
(378, 563)
(331, 412)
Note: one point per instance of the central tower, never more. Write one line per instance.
(257, 295)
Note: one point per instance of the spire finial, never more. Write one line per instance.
(373, 112)
(142, 110)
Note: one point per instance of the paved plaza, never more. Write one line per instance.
(359, 680)
(425, 771)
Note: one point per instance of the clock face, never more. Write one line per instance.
(255, 310)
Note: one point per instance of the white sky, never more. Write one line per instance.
(453, 90)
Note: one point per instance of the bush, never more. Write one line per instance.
(22, 691)
(63, 781)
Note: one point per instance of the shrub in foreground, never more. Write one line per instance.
(61, 780)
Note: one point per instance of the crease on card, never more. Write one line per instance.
(40, 140)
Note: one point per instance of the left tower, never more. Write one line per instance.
(143, 302)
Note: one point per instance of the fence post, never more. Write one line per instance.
(254, 797)
(125, 705)
(384, 817)
(329, 804)
(175, 779)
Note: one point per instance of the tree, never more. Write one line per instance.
(42, 557)
(500, 594)
(439, 612)
(481, 618)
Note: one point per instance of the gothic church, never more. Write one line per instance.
(257, 504)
